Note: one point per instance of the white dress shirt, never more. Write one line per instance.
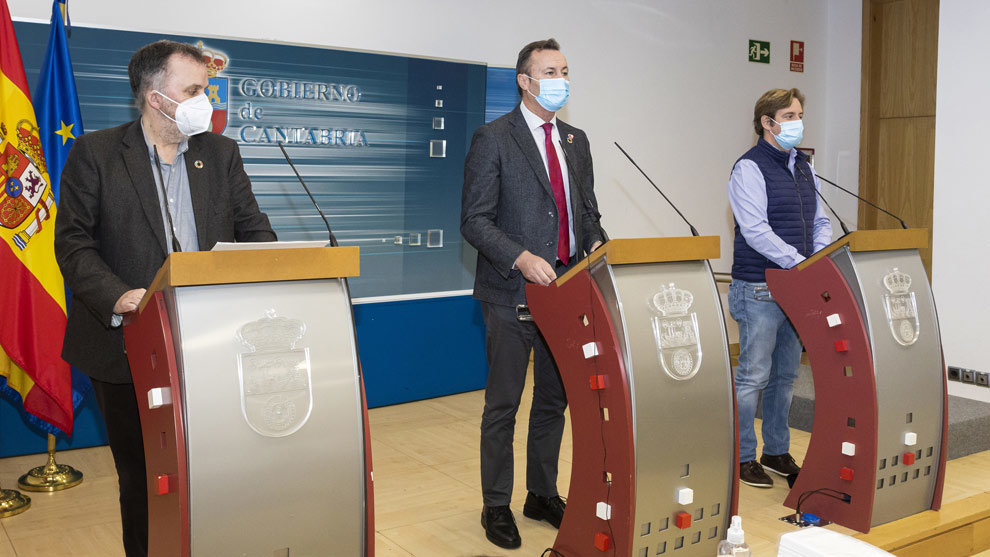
(535, 124)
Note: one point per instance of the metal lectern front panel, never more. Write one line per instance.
(896, 301)
(677, 362)
(273, 419)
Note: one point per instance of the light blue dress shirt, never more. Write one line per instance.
(748, 199)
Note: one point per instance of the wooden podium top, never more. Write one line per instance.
(874, 240)
(649, 250)
(198, 268)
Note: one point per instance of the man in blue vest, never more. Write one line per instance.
(779, 223)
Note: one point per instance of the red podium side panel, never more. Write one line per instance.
(571, 316)
(151, 354)
(369, 475)
(943, 452)
(845, 393)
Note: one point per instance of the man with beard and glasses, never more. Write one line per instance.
(130, 196)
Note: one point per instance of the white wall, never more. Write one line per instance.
(667, 79)
(960, 267)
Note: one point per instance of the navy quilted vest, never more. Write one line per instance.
(791, 207)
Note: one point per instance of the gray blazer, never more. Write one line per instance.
(507, 205)
(110, 237)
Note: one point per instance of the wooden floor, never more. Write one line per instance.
(427, 491)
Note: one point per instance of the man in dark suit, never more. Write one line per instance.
(131, 195)
(530, 211)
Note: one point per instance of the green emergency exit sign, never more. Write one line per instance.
(759, 51)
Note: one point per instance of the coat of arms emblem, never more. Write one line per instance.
(217, 90)
(676, 332)
(26, 198)
(275, 376)
(901, 307)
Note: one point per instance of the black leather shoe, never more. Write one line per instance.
(550, 509)
(751, 473)
(500, 527)
(782, 465)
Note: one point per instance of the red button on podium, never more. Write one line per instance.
(602, 541)
(683, 520)
(846, 474)
(908, 459)
(161, 484)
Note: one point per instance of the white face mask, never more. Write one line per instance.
(192, 116)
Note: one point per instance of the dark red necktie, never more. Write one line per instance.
(557, 185)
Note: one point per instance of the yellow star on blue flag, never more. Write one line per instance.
(66, 132)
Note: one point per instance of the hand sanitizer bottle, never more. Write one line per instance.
(734, 543)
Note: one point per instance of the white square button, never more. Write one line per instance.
(685, 496)
(848, 449)
(603, 511)
(590, 350)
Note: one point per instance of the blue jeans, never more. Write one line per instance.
(769, 355)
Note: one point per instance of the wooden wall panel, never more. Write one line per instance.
(908, 58)
(906, 174)
(897, 136)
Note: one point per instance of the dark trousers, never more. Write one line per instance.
(118, 403)
(508, 343)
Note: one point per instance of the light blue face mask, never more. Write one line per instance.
(553, 93)
(791, 133)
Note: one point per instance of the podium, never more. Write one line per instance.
(638, 335)
(252, 405)
(864, 310)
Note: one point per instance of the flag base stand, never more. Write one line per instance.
(13, 502)
(52, 476)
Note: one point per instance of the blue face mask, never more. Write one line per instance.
(553, 93)
(791, 133)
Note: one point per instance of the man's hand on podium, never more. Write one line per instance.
(129, 301)
(595, 246)
(535, 269)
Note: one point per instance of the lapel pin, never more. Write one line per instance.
(570, 138)
(199, 164)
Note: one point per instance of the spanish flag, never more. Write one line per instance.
(32, 294)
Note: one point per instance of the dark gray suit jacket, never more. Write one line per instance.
(110, 237)
(507, 205)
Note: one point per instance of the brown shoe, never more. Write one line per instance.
(751, 473)
(782, 465)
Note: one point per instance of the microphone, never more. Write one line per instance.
(845, 230)
(583, 193)
(333, 239)
(868, 202)
(176, 247)
(694, 231)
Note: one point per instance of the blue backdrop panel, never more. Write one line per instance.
(358, 125)
(446, 343)
(501, 92)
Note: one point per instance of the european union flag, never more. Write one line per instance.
(56, 104)
(56, 107)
